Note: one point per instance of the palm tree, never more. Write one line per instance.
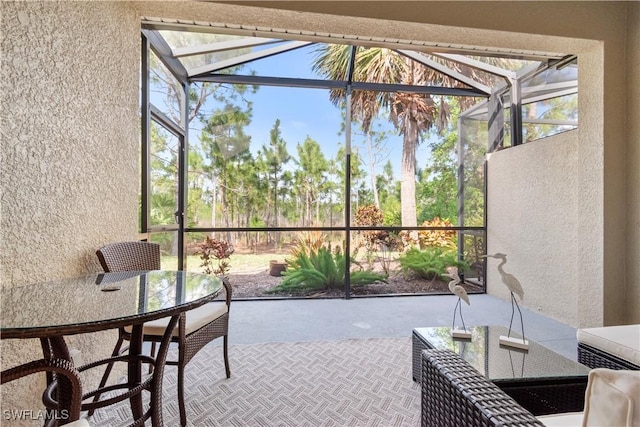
(411, 113)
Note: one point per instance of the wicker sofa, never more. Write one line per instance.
(455, 394)
(612, 347)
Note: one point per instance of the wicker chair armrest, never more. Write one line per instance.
(455, 394)
(229, 291)
(64, 368)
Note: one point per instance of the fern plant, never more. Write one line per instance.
(322, 270)
(430, 263)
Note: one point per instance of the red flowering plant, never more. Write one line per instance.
(215, 249)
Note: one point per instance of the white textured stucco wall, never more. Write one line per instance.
(532, 216)
(69, 135)
(69, 127)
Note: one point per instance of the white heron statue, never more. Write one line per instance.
(515, 288)
(461, 293)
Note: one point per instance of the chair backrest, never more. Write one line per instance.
(129, 256)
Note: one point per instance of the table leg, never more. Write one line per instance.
(46, 352)
(134, 373)
(158, 371)
(56, 348)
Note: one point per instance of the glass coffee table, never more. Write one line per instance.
(539, 379)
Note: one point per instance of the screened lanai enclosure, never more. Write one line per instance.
(321, 165)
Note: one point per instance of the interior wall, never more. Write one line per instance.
(632, 294)
(69, 126)
(69, 168)
(532, 211)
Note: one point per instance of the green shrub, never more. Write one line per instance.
(430, 263)
(321, 270)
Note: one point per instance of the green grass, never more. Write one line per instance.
(240, 263)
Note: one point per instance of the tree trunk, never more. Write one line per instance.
(275, 209)
(309, 209)
(268, 211)
(408, 183)
(214, 200)
(372, 171)
(225, 208)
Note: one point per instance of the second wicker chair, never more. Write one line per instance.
(202, 325)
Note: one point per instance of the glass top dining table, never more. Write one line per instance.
(101, 301)
(53, 310)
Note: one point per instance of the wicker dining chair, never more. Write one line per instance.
(201, 326)
(60, 368)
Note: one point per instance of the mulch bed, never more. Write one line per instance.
(256, 285)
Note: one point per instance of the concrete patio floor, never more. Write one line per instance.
(332, 319)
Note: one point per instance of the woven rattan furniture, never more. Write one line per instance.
(455, 394)
(540, 380)
(64, 371)
(195, 329)
(596, 358)
(613, 347)
(54, 310)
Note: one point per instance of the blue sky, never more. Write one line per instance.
(309, 112)
(301, 112)
(305, 112)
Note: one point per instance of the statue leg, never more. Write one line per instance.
(464, 327)
(453, 325)
(521, 321)
(512, 313)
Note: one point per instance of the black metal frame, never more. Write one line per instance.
(152, 41)
(145, 122)
(511, 88)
